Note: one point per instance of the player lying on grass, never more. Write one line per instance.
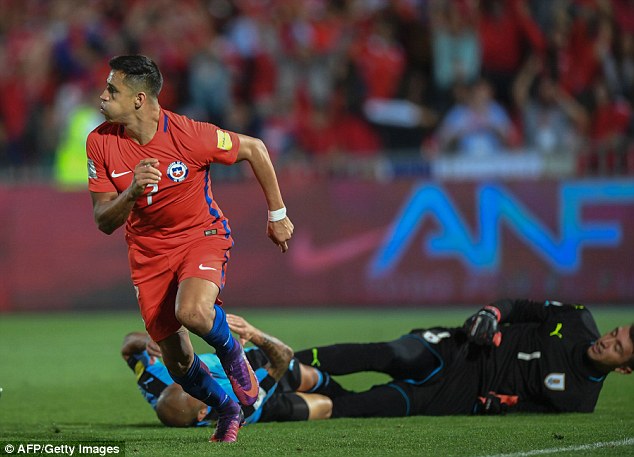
(513, 355)
(270, 358)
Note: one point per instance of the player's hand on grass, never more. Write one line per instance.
(280, 232)
(482, 327)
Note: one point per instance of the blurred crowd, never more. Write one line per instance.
(334, 84)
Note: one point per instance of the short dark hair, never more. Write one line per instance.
(140, 72)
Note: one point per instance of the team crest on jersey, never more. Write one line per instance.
(177, 171)
(555, 381)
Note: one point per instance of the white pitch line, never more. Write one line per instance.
(555, 450)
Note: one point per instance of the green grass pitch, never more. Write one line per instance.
(63, 381)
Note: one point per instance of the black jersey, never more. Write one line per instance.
(541, 362)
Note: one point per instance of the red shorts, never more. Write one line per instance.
(156, 278)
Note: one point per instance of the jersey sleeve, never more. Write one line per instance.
(524, 310)
(151, 378)
(98, 180)
(213, 145)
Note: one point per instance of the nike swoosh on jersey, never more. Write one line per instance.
(116, 175)
(202, 267)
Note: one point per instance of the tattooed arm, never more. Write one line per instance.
(278, 353)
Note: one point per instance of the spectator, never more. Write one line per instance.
(380, 60)
(574, 53)
(309, 37)
(26, 82)
(270, 55)
(456, 47)
(507, 33)
(625, 64)
(552, 121)
(608, 134)
(69, 169)
(478, 127)
(210, 85)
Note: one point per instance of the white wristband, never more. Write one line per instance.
(277, 215)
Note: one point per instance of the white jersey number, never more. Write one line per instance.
(152, 192)
(434, 338)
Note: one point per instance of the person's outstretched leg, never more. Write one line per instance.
(405, 358)
(316, 381)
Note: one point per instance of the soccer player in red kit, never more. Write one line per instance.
(148, 168)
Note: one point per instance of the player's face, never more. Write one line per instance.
(614, 349)
(117, 99)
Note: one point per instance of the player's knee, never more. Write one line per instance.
(193, 316)
(308, 378)
(319, 406)
(297, 407)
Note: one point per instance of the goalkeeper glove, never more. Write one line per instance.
(482, 327)
(494, 404)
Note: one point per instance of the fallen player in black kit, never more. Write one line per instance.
(512, 355)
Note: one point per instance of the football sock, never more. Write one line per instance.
(322, 378)
(328, 387)
(200, 384)
(220, 336)
(340, 359)
(405, 358)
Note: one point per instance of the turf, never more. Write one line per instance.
(64, 382)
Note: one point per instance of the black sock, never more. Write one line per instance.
(340, 359)
(329, 387)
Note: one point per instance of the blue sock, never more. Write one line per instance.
(322, 381)
(199, 383)
(220, 336)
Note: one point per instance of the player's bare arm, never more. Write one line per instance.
(278, 353)
(133, 343)
(136, 342)
(111, 210)
(254, 151)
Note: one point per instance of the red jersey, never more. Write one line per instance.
(181, 208)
